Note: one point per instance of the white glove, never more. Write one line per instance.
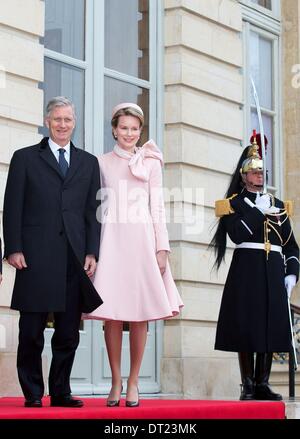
(290, 282)
(273, 209)
(263, 203)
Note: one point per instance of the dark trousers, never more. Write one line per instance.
(64, 342)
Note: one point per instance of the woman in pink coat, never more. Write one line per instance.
(133, 274)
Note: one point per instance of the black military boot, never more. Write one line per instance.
(263, 390)
(246, 361)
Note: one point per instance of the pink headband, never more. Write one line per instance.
(126, 105)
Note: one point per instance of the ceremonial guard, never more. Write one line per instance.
(254, 315)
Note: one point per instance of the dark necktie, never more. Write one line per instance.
(62, 161)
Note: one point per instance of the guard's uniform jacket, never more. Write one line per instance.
(254, 310)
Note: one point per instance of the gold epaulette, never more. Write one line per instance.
(223, 207)
(289, 207)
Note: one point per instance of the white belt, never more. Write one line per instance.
(259, 246)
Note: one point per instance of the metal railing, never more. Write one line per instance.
(295, 313)
(288, 357)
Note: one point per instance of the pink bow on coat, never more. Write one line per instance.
(137, 160)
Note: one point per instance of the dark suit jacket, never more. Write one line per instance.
(43, 212)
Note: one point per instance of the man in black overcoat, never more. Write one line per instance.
(254, 314)
(51, 237)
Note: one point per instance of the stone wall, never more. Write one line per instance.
(203, 133)
(21, 112)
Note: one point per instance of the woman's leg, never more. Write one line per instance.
(113, 331)
(137, 339)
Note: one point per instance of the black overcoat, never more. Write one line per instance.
(44, 213)
(254, 310)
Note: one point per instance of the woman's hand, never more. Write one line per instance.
(162, 257)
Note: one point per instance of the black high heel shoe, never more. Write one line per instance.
(114, 402)
(133, 403)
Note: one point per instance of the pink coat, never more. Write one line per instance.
(133, 230)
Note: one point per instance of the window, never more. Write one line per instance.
(100, 53)
(127, 69)
(65, 27)
(264, 3)
(127, 37)
(64, 67)
(261, 63)
(261, 71)
(268, 8)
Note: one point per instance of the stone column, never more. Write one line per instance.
(203, 131)
(290, 10)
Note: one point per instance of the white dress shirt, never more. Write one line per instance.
(55, 149)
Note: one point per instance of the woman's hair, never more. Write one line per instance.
(130, 111)
(219, 239)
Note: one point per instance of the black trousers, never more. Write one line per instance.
(64, 342)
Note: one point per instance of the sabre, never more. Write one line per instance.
(263, 156)
(262, 135)
(292, 333)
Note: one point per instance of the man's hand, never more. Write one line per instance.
(17, 260)
(162, 257)
(90, 265)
